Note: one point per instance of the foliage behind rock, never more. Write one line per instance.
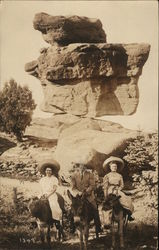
(142, 160)
(16, 108)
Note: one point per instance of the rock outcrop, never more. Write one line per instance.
(83, 139)
(76, 139)
(81, 74)
(71, 29)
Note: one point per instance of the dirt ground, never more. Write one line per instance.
(132, 242)
(16, 234)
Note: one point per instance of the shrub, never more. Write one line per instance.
(142, 160)
(16, 108)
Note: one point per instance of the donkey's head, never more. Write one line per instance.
(77, 207)
(111, 201)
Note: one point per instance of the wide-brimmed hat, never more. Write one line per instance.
(79, 164)
(106, 164)
(49, 163)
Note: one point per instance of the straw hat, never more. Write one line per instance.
(79, 164)
(49, 163)
(106, 164)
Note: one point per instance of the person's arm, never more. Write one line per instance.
(54, 187)
(91, 184)
(105, 185)
(73, 182)
(121, 183)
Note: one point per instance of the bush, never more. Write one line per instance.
(16, 108)
(142, 160)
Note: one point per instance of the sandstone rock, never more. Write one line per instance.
(32, 67)
(38, 131)
(90, 79)
(50, 128)
(82, 124)
(84, 139)
(108, 126)
(56, 121)
(84, 143)
(71, 29)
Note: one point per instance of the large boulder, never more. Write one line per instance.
(50, 128)
(70, 29)
(90, 79)
(81, 139)
(88, 142)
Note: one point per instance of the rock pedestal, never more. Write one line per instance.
(83, 75)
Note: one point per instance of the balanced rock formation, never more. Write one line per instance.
(71, 29)
(81, 74)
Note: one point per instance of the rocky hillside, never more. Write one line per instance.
(57, 137)
(90, 141)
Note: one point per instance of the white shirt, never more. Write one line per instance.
(47, 184)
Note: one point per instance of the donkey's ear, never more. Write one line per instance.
(69, 194)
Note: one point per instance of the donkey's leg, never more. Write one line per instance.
(80, 234)
(41, 230)
(86, 234)
(97, 222)
(61, 232)
(125, 223)
(121, 228)
(59, 229)
(113, 234)
(42, 237)
(48, 235)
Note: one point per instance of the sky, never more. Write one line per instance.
(123, 22)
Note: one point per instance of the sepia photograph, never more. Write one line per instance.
(78, 125)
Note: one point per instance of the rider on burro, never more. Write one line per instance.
(83, 182)
(113, 183)
(49, 184)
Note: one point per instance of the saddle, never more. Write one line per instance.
(111, 201)
(60, 200)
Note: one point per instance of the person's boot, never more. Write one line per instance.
(130, 217)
